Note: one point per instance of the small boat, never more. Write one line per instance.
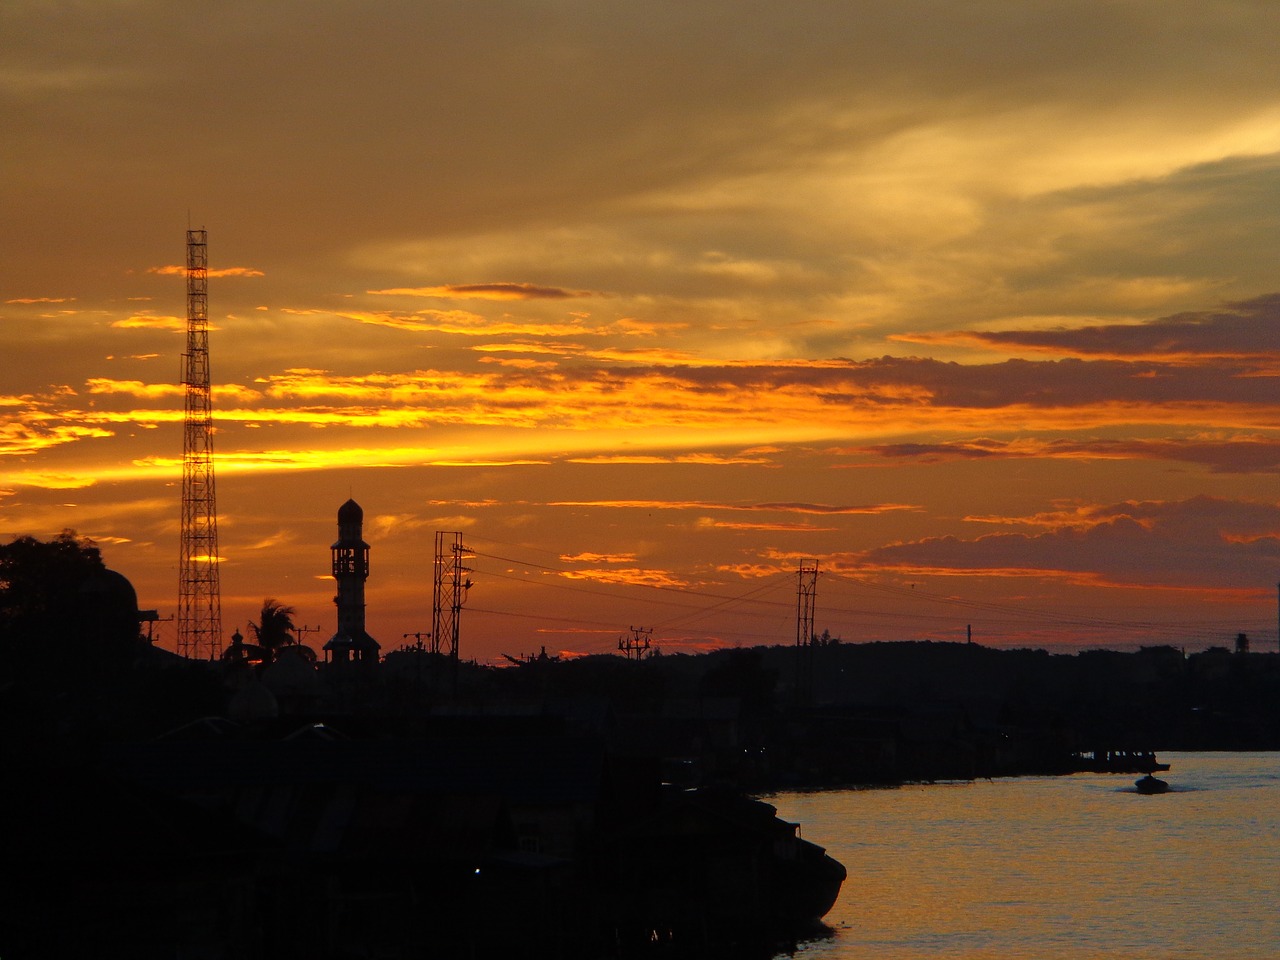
(1150, 785)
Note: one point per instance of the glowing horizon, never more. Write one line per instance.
(991, 331)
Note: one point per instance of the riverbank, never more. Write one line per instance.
(1055, 868)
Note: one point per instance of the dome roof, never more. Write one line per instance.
(110, 589)
(108, 605)
(290, 674)
(253, 701)
(350, 512)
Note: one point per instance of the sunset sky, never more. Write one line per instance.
(977, 305)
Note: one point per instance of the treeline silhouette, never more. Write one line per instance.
(268, 805)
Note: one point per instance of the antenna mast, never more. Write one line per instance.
(449, 593)
(199, 594)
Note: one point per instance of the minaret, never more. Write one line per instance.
(350, 556)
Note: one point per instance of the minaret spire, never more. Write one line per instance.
(350, 567)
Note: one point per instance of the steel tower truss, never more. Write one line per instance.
(806, 597)
(199, 594)
(449, 593)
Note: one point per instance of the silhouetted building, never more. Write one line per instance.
(350, 555)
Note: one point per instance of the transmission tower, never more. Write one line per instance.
(199, 595)
(449, 593)
(806, 597)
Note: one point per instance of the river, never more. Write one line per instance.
(1055, 867)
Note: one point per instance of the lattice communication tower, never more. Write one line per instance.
(199, 593)
(449, 593)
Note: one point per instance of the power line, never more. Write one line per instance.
(662, 588)
(1032, 615)
(755, 598)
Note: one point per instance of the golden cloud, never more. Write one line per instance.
(628, 576)
(147, 322)
(811, 508)
(697, 458)
(467, 323)
(754, 571)
(22, 439)
(179, 270)
(51, 479)
(522, 363)
(912, 571)
(271, 541)
(134, 388)
(708, 523)
(598, 558)
(487, 291)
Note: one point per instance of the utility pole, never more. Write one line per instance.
(417, 640)
(635, 646)
(302, 631)
(199, 590)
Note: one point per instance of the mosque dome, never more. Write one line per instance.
(110, 590)
(290, 675)
(108, 605)
(253, 701)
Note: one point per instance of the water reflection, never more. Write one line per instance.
(1055, 867)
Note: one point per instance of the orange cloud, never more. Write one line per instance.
(462, 323)
(34, 434)
(1084, 578)
(522, 363)
(630, 576)
(179, 270)
(1240, 330)
(152, 391)
(134, 388)
(50, 479)
(1205, 541)
(278, 539)
(754, 571)
(145, 322)
(29, 300)
(816, 508)
(705, 458)
(598, 558)
(707, 523)
(487, 291)
(1250, 453)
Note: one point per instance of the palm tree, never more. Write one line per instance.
(274, 626)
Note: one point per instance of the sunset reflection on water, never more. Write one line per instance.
(1079, 866)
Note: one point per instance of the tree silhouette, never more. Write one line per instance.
(39, 581)
(274, 627)
(59, 602)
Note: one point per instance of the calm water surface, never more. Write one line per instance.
(1047, 867)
